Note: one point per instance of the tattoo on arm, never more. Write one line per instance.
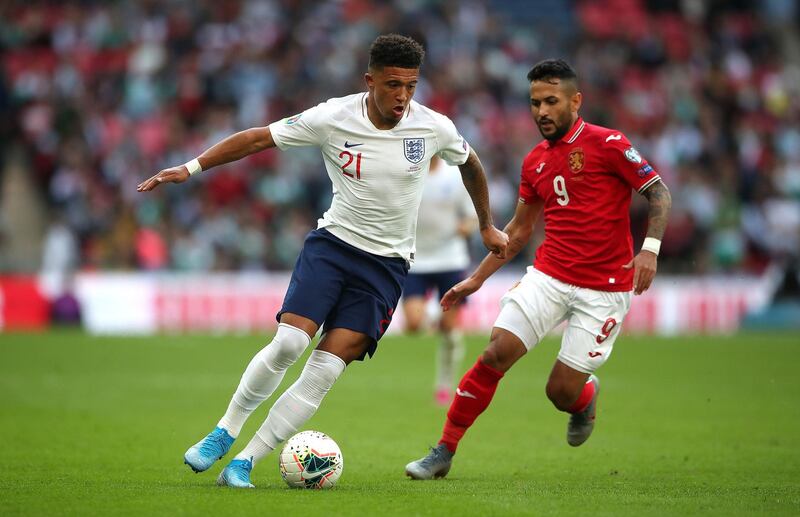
(660, 202)
(475, 182)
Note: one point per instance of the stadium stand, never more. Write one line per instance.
(96, 96)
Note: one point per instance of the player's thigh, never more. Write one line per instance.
(414, 311)
(317, 279)
(533, 307)
(363, 312)
(415, 293)
(504, 349)
(443, 282)
(368, 301)
(346, 344)
(594, 324)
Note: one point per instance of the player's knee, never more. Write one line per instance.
(494, 357)
(501, 354)
(559, 395)
(413, 325)
(446, 325)
(490, 357)
(287, 346)
(324, 368)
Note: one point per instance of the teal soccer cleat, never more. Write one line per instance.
(236, 474)
(204, 453)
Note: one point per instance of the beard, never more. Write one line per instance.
(560, 127)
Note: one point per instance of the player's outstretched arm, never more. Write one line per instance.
(519, 231)
(474, 179)
(645, 262)
(235, 147)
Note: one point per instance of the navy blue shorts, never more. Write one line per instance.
(344, 287)
(420, 284)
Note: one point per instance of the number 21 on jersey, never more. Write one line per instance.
(348, 156)
(560, 188)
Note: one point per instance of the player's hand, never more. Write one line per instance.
(177, 174)
(644, 270)
(495, 241)
(458, 292)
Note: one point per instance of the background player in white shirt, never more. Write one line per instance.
(377, 148)
(446, 219)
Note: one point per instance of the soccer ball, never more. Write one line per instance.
(311, 459)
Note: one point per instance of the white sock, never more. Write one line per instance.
(297, 404)
(263, 375)
(448, 359)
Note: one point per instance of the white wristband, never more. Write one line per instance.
(193, 167)
(652, 245)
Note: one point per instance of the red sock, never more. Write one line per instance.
(583, 399)
(473, 395)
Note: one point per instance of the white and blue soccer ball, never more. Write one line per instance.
(311, 459)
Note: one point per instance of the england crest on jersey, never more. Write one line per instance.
(414, 149)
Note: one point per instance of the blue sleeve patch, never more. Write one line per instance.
(644, 170)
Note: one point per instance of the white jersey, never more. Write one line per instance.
(445, 204)
(377, 175)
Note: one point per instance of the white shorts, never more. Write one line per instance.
(539, 302)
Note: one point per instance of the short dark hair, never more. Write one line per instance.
(550, 69)
(395, 50)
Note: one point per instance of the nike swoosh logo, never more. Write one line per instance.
(314, 475)
(540, 167)
(465, 394)
(349, 145)
(613, 137)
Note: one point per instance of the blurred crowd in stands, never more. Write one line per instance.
(99, 95)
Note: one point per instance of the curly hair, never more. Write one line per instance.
(395, 50)
(550, 69)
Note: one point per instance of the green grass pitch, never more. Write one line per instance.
(696, 426)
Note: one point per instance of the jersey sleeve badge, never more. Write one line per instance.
(644, 170)
(633, 155)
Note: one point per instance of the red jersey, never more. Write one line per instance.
(585, 180)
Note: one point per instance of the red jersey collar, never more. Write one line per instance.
(572, 134)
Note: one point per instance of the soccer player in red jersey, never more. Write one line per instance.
(584, 272)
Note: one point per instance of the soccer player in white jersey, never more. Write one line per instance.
(446, 219)
(377, 148)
